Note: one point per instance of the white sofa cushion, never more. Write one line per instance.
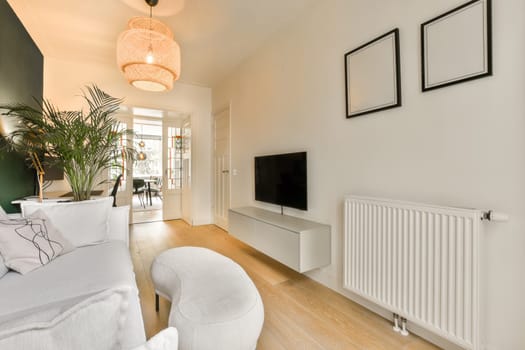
(3, 269)
(119, 224)
(3, 214)
(82, 223)
(32, 242)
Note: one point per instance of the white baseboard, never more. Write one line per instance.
(201, 221)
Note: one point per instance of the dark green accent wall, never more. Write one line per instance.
(21, 80)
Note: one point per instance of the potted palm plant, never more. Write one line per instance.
(83, 143)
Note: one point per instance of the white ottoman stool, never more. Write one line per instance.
(214, 304)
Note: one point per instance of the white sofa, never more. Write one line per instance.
(39, 300)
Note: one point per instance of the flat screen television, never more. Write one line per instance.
(281, 179)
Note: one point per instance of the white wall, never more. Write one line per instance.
(63, 81)
(463, 145)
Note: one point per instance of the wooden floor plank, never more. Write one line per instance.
(347, 319)
(299, 312)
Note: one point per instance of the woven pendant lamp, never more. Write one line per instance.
(147, 54)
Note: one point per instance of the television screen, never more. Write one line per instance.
(281, 179)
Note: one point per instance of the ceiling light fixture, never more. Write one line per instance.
(147, 54)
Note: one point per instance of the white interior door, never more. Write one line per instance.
(222, 168)
(124, 167)
(172, 169)
(186, 171)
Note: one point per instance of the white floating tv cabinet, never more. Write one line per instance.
(300, 244)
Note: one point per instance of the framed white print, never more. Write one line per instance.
(457, 45)
(372, 76)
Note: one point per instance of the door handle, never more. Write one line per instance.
(225, 171)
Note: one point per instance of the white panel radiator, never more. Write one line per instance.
(418, 261)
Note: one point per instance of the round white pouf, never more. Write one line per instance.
(214, 304)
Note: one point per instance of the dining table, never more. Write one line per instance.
(148, 183)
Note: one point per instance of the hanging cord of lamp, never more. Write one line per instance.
(149, 57)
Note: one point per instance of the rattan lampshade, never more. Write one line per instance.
(145, 37)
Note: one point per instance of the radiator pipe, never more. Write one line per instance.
(396, 323)
(404, 330)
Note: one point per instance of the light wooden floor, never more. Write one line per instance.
(299, 312)
(149, 213)
(140, 217)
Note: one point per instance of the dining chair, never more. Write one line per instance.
(156, 188)
(139, 188)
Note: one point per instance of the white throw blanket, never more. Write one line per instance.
(85, 271)
(96, 322)
(68, 280)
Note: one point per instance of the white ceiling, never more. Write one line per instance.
(215, 35)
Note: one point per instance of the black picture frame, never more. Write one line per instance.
(463, 34)
(373, 76)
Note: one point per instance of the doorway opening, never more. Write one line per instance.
(156, 185)
(147, 197)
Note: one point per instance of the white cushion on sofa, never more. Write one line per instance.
(3, 268)
(82, 223)
(3, 214)
(32, 242)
